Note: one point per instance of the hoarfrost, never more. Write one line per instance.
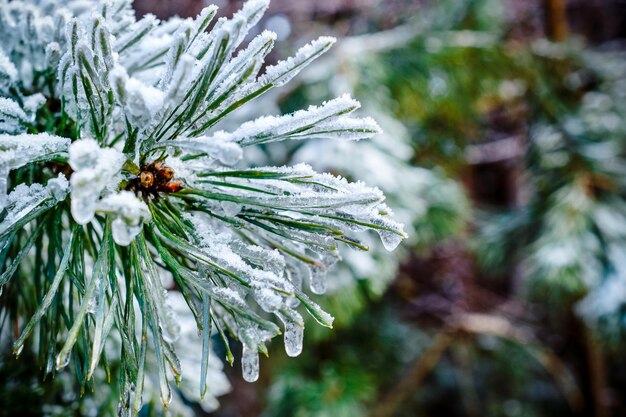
(142, 101)
(13, 120)
(217, 147)
(284, 71)
(8, 72)
(95, 170)
(20, 150)
(24, 200)
(327, 121)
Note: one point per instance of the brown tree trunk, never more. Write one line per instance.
(556, 19)
(597, 374)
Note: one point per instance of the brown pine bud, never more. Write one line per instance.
(147, 179)
(155, 166)
(165, 174)
(172, 187)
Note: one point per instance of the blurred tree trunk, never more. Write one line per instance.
(597, 374)
(556, 19)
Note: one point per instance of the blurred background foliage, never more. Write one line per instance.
(503, 152)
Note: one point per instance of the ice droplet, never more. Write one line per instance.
(166, 393)
(19, 350)
(129, 213)
(294, 335)
(250, 364)
(58, 187)
(123, 233)
(318, 280)
(63, 360)
(84, 154)
(390, 240)
(83, 209)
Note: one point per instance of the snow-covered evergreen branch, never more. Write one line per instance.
(112, 176)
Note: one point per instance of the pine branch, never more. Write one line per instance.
(112, 179)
